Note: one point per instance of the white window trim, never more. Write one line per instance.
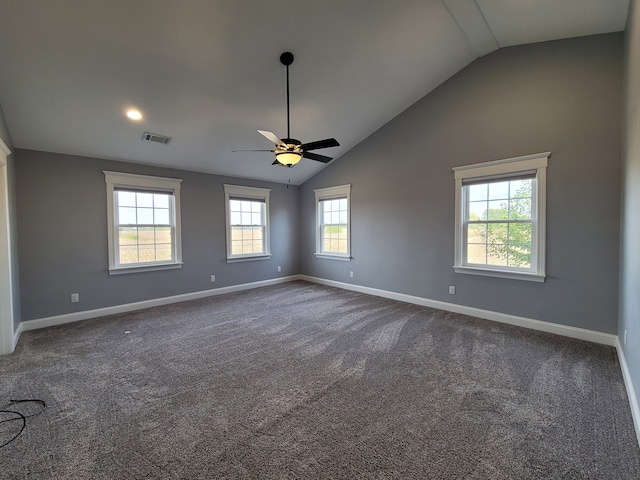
(537, 162)
(134, 181)
(328, 193)
(250, 193)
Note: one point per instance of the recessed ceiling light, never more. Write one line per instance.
(134, 114)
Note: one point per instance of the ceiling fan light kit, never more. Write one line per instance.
(290, 151)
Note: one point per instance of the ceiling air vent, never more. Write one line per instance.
(154, 137)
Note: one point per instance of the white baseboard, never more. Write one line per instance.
(564, 330)
(155, 302)
(631, 393)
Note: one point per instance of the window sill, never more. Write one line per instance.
(514, 275)
(328, 256)
(248, 258)
(144, 268)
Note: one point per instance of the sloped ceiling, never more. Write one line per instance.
(207, 72)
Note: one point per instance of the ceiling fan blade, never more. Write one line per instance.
(329, 142)
(317, 157)
(272, 136)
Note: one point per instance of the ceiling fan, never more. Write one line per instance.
(289, 151)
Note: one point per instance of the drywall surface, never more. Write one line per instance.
(62, 236)
(630, 255)
(564, 97)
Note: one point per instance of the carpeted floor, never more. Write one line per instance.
(304, 381)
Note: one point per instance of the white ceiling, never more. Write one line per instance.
(207, 72)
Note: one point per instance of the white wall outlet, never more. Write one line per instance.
(279, 268)
(452, 290)
(625, 337)
(351, 274)
(75, 297)
(213, 278)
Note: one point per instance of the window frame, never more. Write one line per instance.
(332, 193)
(247, 193)
(147, 183)
(506, 168)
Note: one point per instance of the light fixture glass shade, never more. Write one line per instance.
(288, 158)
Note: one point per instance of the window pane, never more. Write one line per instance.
(519, 255)
(342, 204)
(128, 236)
(145, 216)
(342, 234)
(520, 188)
(497, 210)
(147, 253)
(245, 206)
(335, 217)
(256, 219)
(520, 233)
(129, 254)
(234, 205)
(161, 216)
(477, 192)
(477, 210)
(327, 217)
(477, 233)
(163, 235)
(144, 199)
(235, 218)
(163, 252)
(477, 253)
(126, 216)
(256, 207)
(246, 217)
(146, 235)
(520, 209)
(126, 199)
(497, 233)
(496, 254)
(499, 190)
(342, 246)
(161, 200)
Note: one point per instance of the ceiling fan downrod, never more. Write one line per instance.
(287, 59)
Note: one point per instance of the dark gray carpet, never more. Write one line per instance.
(304, 381)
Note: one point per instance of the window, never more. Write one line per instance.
(500, 218)
(247, 210)
(144, 222)
(333, 238)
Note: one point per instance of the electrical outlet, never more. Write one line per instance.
(213, 278)
(351, 273)
(625, 337)
(75, 297)
(452, 290)
(279, 268)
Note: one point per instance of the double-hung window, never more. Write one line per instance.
(333, 218)
(143, 221)
(500, 218)
(247, 225)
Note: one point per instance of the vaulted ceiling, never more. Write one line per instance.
(207, 72)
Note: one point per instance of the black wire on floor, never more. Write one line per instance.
(19, 416)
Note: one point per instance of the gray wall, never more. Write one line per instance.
(11, 191)
(562, 96)
(630, 256)
(62, 236)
